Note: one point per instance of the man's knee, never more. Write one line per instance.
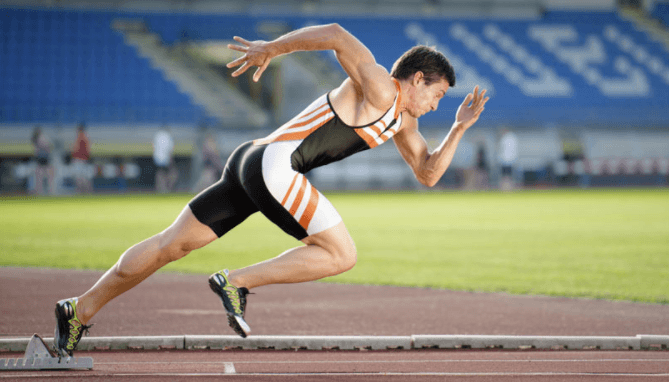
(337, 242)
(345, 256)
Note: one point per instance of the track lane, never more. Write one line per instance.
(354, 365)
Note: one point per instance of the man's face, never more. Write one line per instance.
(424, 98)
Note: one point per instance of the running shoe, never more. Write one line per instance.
(234, 301)
(68, 327)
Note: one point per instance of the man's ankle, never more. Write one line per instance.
(81, 310)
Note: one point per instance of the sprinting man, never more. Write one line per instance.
(267, 175)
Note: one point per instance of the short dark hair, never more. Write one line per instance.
(428, 60)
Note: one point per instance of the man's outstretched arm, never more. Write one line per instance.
(429, 167)
(369, 78)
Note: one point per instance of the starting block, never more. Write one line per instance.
(39, 357)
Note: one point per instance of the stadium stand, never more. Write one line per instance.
(586, 71)
(569, 68)
(68, 66)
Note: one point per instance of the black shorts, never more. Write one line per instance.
(241, 192)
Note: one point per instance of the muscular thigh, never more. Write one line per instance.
(225, 204)
(187, 232)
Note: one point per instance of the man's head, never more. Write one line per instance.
(432, 63)
(428, 73)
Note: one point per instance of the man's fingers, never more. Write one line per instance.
(480, 106)
(238, 48)
(239, 39)
(468, 99)
(241, 69)
(260, 71)
(236, 62)
(481, 98)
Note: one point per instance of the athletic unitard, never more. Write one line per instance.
(267, 174)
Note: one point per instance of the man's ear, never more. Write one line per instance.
(418, 77)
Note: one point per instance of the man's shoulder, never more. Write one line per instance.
(380, 91)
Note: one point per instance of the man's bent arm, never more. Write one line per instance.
(318, 37)
(369, 78)
(428, 167)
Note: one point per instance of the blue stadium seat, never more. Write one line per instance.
(73, 61)
(594, 65)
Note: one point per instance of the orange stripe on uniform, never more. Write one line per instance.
(311, 209)
(382, 132)
(384, 138)
(288, 136)
(315, 117)
(366, 137)
(376, 129)
(292, 184)
(298, 197)
(283, 130)
(313, 111)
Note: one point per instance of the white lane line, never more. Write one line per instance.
(419, 374)
(230, 368)
(396, 361)
(411, 374)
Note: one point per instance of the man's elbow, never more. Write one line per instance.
(336, 30)
(431, 182)
(427, 180)
(335, 27)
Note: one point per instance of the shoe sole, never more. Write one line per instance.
(236, 322)
(61, 352)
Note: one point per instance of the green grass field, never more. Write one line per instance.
(611, 244)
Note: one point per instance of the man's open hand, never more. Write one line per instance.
(468, 113)
(256, 53)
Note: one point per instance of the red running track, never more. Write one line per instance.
(173, 304)
(392, 365)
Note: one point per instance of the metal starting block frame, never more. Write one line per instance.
(39, 357)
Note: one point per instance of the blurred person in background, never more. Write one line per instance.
(507, 155)
(44, 170)
(81, 154)
(211, 162)
(467, 157)
(370, 107)
(163, 149)
(481, 166)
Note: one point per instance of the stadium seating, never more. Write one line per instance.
(568, 68)
(68, 66)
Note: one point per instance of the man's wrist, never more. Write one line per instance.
(273, 49)
(459, 127)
